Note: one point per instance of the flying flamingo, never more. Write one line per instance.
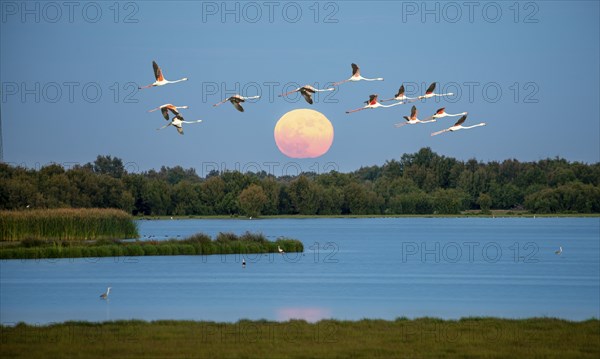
(177, 122)
(356, 76)
(373, 103)
(235, 101)
(306, 91)
(412, 120)
(164, 109)
(401, 97)
(440, 113)
(429, 93)
(160, 79)
(457, 126)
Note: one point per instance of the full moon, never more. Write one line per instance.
(303, 133)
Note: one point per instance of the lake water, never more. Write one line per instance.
(351, 269)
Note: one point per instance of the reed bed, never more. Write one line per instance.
(66, 224)
(197, 244)
(401, 338)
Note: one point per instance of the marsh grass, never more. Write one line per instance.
(197, 244)
(401, 338)
(66, 224)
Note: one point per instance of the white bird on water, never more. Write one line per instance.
(559, 251)
(280, 250)
(105, 294)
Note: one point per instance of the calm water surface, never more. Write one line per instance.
(351, 269)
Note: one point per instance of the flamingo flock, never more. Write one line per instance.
(307, 92)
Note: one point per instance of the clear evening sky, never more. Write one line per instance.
(530, 70)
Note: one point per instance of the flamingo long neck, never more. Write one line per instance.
(107, 291)
(176, 81)
(457, 114)
(287, 93)
(376, 79)
(392, 105)
(341, 82)
(477, 125)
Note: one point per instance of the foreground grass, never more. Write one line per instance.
(197, 244)
(402, 338)
(66, 224)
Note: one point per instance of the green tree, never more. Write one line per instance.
(449, 201)
(303, 196)
(272, 190)
(108, 165)
(485, 202)
(252, 200)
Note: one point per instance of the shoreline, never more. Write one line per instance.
(359, 216)
(274, 321)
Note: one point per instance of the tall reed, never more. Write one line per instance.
(66, 224)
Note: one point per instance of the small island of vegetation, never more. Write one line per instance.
(78, 233)
(197, 244)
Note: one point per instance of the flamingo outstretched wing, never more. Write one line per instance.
(157, 72)
(430, 89)
(237, 105)
(461, 120)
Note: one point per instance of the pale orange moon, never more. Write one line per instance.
(303, 133)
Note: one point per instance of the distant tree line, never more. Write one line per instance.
(419, 183)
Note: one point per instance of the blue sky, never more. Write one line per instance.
(543, 57)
